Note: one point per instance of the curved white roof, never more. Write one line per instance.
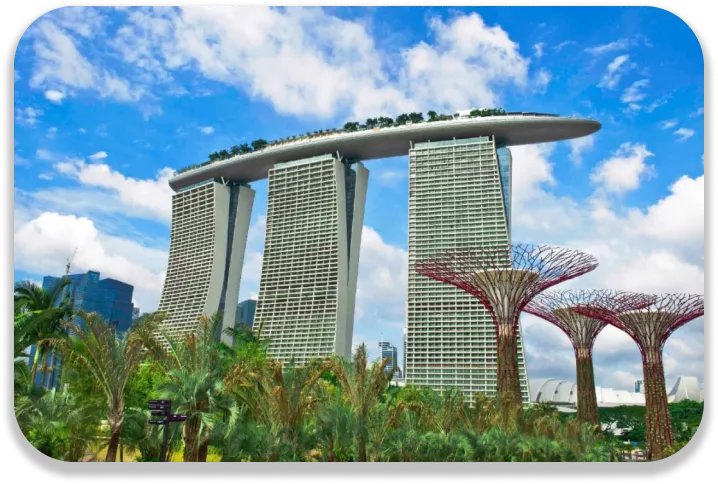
(508, 130)
(562, 393)
(686, 388)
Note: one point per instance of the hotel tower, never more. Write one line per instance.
(459, 196)
(311, 257)
(210, 221)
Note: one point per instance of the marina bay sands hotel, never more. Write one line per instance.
(459, 196)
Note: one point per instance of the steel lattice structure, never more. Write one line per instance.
(557, 307)
(505, 279)
(650, 327)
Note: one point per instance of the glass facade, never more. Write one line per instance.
(110, 298)
(387, 350)
(504, 156)
(245, 312)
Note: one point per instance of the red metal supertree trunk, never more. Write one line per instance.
(557, 307)
(505, 279)
(650, 328)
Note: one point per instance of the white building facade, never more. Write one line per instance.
(459, 196)
(307, 289)
(210, 222)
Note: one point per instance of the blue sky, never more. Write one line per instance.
(109, 101)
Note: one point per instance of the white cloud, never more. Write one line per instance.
(620, 44)
(206, 129)
(51, 132)
(615, 71)
(634, 93)
(99, 156)
(538, 50)
(307, 62)
(564, 44)
(27, 116)
(45, 176)
(152, 195)
(677, 217)
(683, 134)
(624, 171)
(578, 146)
(43, 244)
(669, 123)
(59, 64)
(54, 96)
(45, 155)
(82, 130)
(698, 112)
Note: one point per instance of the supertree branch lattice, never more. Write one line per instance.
(650, 327)
(505, 279)
(556, 307)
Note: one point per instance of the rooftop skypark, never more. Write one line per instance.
(381, 122)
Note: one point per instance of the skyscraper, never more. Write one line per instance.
(311, 255)
(245, 313)
(638, 386)
(210, 221)
(459, 196)
(387, 350)
(109, 298)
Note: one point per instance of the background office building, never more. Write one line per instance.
(389, 351)
(210, 221)
(109, 298)
(459, 196)
(306, 300)
(245, 313)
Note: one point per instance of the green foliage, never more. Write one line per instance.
(244, 406)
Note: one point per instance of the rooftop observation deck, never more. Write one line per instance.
(511, 129)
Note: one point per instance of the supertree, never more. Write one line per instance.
(556, 307)
(505, 279)
(650, 327)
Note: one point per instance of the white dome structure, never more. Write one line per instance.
(563, 393)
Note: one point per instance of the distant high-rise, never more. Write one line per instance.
(210, 222)
(638, 386)
(388, 351)
(311, 256)
(406, 333)
(109, 298)
(459, 196)
(245, 313)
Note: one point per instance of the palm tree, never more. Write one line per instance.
(362, 387)
(45, 311)
(194, 368)
(234, 150)
(57, 424)
(110, 360)
(335, 424)
(432, 115)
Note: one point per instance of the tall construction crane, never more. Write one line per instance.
(69, 261)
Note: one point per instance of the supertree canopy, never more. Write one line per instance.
(557, 307)
(650, 327)
(505, 279)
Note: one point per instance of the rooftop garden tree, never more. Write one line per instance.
(505, 280)
(650, 328)
(556, 307)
